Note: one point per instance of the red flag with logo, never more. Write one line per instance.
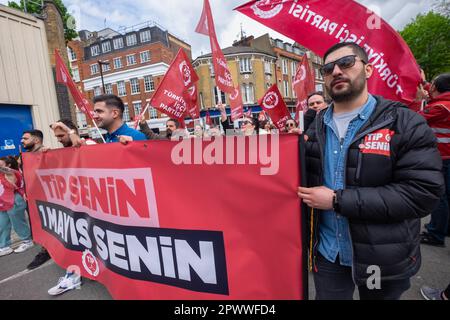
(304, 84)
(169, 98)
(236, 104)
(274, 105)
(190, 96)
(222, 74)
(63, 76)
(318, 25)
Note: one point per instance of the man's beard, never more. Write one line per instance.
(169, 133)
(29, 146)
(356, 87)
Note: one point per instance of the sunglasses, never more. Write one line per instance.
(246, 122)
(290, 125)
(343, 63)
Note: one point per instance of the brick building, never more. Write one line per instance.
(137, 59)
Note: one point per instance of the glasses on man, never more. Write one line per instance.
(343, 63)
(290, 124)
(246, 122)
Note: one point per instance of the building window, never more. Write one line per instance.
(71, 54)
(118, 43)
(108, 88)
(106, 46)
(245, 65)
(219, 96)
(284, 63)
(149, 83)
(288, 47)
(145, 36)
(247, 93)
(202, 104)
(97, 91)
(286, 88)
(134, 83)
(76, 74)
(117, 63)
(106, 67)
(267, 67)
(280, 44)
(293, 67)
(94, 69)
(126, 113)
(145, 56)
(153, 113)
(137, 106)
(131, 59)
(131, 39)
(121, 89)
(95, 50)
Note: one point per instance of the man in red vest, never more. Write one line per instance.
(437, 114)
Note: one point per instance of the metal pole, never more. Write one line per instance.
(101, 75)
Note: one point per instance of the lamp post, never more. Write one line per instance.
(101, 64)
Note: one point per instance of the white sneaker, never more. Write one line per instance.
(24, 246)
(5, 251)
(66, 283)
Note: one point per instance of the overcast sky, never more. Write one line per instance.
(180, 17)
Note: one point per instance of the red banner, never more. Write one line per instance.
(131, 218)
(169, 98)
(274, 105)
(304, 84)
(63, 76)
(236, 105)
(222, 74)
(208, 118)
(318, 25)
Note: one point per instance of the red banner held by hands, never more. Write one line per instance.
(318, 25)
(169, 98)
(63, 76)
(206, 26)
(274, 105)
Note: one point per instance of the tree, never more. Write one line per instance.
(428, 37)
(35, 7)
(442, 7)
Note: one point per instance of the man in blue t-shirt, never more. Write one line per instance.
(108, 113)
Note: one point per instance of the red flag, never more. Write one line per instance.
(190, 96)
(304, 83)
(318, 25)
(169, 98)
(208, 119)
(236, 104)
(63, 76)
(206, 26)
(274, 105)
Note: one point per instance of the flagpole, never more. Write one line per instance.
(101, 136)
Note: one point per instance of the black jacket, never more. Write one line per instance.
(385, 196)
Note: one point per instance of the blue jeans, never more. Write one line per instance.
(16, 218)
(438, 226)
(334, 281)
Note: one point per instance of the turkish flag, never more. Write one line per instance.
(236, 104)
(274, 105)
(304, 84)
(205, 26)
(318, 25)
(170, 96)
(63, 76)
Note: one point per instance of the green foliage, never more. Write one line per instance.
(35, 7)
(429, 40)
